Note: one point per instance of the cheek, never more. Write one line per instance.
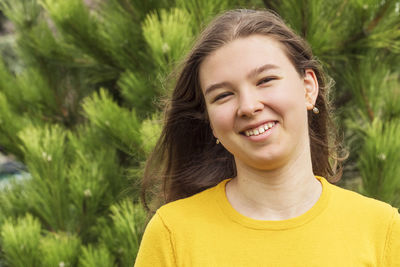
(292, 96)
(221, 119)
(288, 101)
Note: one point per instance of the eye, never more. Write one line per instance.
(266, 80)
(221, 96)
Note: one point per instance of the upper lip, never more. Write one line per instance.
(255, 125)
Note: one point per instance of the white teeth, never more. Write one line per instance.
(260, 129)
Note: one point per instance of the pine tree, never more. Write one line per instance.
(79, 91)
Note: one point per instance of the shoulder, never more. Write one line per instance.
(194, 208)
(353, 200)
(392, 247)
(360, 208)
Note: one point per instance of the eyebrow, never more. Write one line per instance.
(251, 74)
(258, 70)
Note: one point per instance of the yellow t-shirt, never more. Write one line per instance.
(343, 228)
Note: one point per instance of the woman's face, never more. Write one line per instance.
(257, 102)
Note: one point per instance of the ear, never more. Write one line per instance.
(310, 88)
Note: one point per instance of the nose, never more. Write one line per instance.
(249, 104)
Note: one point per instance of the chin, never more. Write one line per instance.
(266, 166)
(264, 163)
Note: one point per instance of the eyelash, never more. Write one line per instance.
(221, 96)
(264, 80)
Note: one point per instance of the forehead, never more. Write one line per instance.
(241, 56)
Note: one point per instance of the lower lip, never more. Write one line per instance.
(263, 136)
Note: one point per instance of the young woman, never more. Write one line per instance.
(245, 157)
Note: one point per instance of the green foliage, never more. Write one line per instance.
(59, 250)
(18, 92)
(20, 241)
(121, 33)
(139, 90)
(203, 11)
(123, 237)
(382, 25)
(119, 124)
(317, 21)
(374, 87)
(36, 101)
(379, 161)
(13, 198)
(22, 13)
(10, 125)
(7, 83)
(38, 42)
(150, 132)
(141, 8)
(340, 29)
(73, 19)
(44, 155)
(95, 180)
(99, 257)
(168, 34)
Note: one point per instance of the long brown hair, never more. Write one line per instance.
(186, 159)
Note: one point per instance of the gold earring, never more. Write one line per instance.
(217, 141)
(315, 110)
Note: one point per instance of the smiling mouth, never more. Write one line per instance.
(260, 129)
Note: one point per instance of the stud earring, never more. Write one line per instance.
(217, 141)
(315, 110)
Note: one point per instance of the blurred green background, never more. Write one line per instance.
(80, 89)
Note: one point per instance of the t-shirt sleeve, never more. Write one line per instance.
(156, 247)
(392, 251)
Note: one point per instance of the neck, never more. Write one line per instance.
(277, 194)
